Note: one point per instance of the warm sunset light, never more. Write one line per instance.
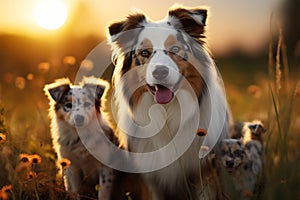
(51, 14)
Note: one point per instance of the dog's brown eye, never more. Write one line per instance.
(86, 104)
(145, 53)
(68, 105)
(175, 49)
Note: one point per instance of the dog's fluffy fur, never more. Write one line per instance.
(253, 143)
(239, 162)
(165, 63)
(234, 169)
(74, 110)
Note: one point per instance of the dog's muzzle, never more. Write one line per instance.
(162, 93)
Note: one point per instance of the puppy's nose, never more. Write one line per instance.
(229, 163)
(160, 72)
(78, 119)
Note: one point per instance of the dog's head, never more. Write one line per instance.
(161, 53)
(230, 154)
(76, 105)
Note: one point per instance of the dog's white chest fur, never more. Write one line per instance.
(170, 131)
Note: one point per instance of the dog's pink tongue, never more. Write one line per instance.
(163, 95)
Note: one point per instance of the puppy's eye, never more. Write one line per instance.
(68, 105)
(238, 152)
(145, 53)
(175, 49)
(87, 104)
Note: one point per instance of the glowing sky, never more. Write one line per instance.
(243, 22)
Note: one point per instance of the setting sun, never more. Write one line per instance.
(51, 14)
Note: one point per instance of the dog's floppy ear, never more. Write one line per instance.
(57, 92)
(192, 21)
(123, 33)
(132, 21)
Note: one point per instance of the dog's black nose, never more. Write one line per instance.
(160, 72)
(78, 119)
(229, 163)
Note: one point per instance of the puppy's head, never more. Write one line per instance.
(257, 128)
(76, 105)
(230, 154)
(160, 53)
(253, 131)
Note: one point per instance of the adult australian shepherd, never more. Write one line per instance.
(165, 87)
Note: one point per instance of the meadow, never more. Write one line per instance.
(265, 86)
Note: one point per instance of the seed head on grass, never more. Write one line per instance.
(204, 148)
(297, 90)
(97, 187)
(128, 196)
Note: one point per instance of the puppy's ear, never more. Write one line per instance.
(97, 90)
(253, 128)
(124, 33)
(57, 89)
(57, 92)
(192, 21)
(95, 85)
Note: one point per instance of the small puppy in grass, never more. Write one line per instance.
(238, 162)
(249, 130)
(252, 137)
(75, 109)
(234, 169)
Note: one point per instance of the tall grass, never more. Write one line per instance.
(27, 176)
(282, 161)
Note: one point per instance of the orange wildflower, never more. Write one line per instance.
(64, 163)
(2, 137)
(4, 192)
(24, 157)
(254, 90)
(36, 159)
(6, 188)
